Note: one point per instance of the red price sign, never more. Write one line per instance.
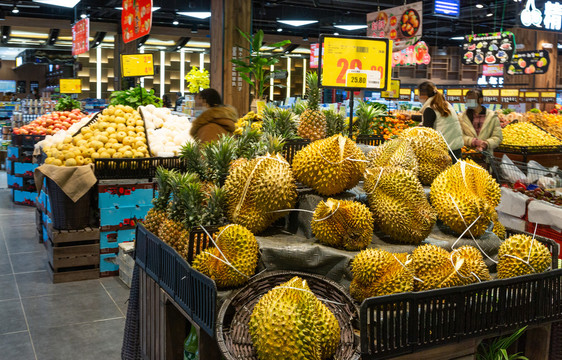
(355, 62)
(136, 19)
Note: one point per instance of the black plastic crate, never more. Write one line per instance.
(167, 276)
(141, 240)
(404, 323)
(199, 241)
(291, 147)
(141, 168)
(370, 140)
(26, 141)
(203, 302)
(182, 293)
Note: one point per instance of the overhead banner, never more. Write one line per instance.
(355, 62)
(81, 37)
(534, 62)
(393, 91)
(136, 19)
(402, 24)
(542, 15)
(70, 86)
(412, 55)
(492, 70)
(137, 65)
(314, 51)
(493, 48)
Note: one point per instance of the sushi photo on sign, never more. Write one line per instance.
(529, 63)
(493, 48)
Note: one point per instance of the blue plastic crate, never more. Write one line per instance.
(24, 197)
(9, 166)
(122, 215)
(107, 262)
(13, 153)
(24, 169)
(111, 196)
(112, 239)
(15, 182)
(44, 233)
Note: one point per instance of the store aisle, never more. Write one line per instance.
(44, 321)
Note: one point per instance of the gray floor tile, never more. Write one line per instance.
(16, 346)
(120, 294)
(8, 288)
(92, 341)
(111, 282)
(29, 261)
(12, 317)
(5, 267)
(24, 239)
(40, 283)
(58, 310)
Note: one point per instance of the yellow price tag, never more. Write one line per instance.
(454, 92)
(344, 58)
(532, 94)
(406, 92)
(356, 80)
(510, 92)
(137, 65)
(464, 91)
(491, 92)
(548, 94)
(70, 86)
(416, 92)
(394, 90)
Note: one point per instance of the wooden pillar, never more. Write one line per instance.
(120, 47)
(226, 17)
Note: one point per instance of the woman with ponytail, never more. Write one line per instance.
(439, 115)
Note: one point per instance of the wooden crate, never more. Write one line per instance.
(73, 254)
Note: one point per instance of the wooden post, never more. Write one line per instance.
(119, 48)
(228, 16)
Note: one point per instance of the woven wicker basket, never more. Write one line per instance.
(232, 323)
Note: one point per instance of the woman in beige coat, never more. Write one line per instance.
(480, 126)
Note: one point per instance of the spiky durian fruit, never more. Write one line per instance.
(377, 272)
(433, 268)
(235, 259)
(330, 166)
(468, 188)
(257, 189)
(498, 228)
(473, 268)
(343, 224)
(312, 121)
(521, 255)
(290, 323)
(399, 205)
(396, 152)
(157, 214)
(431, 152)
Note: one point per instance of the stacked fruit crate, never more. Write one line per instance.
(20, 168)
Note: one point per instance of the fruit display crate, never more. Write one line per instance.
(291, 147)
(505, 173)
(26, 141)
(141, 168)
(525, 150)
(194, 292)
(370, 140)
(404, 323)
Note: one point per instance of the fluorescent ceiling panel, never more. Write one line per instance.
(297, 22)
(351, 27)
(63, 3)
(154, 8)
(196, 14)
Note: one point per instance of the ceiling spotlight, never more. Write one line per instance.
(15, 10)
(175, 22)
(83, 15)
(458, 38)
(336, 33)
(480, 6)
(196, 14)
(279, 29)
(351, 27)
(490, 14)
(297, 22)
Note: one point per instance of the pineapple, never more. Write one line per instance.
(219, 154)
(299, 107)
(190, 154)
(312, 120)
(157, 214)
(335, 122)
(280, 122)
(366, 114)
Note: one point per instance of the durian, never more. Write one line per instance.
(399, 205)
(433, 268)
(235, 259)
(330, 166)
(468, 188)
(377, 272)
(396, 152)
(473, 268)
(499, 229)
(343, 224)
(431, 152)
(290, 323)
(516, 257)
(257, 189)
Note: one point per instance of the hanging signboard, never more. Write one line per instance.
(529, 63)
(532, 96)
(405, 94)
(412, 55)
(70, 86)
(355, 62)
(491, 95)
(509, 95)
(314, 51)
(548, 96)
(137, 65)
(402, 24)
(542, 15)
(136, 19)
(493, 48)
(454, 95)
(447, 8)
(81, 37)
(492, 70)
(393, 91)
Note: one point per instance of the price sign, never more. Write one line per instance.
(70, 86)
(393, 91)
(510, 95)
(532, 96)
(136, 19)
(355, 62)
(405, 94)
(548, 96)
(491, 95)
(137, 65)
(454, 95)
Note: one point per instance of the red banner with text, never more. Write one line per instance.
(136, 19)
(81, 37)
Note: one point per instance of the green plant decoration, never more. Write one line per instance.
(135, 97)
(497, 348)
(197, 80)
(66, 103)
(254, 68)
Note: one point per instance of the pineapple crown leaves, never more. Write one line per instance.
(366, 114)
(280, 122)
(214, 212)
(299, 107)
(177, 182)
(312, 90)
(191, 154)
(191, 204)
(219, 154)
(273, 144)
(335, 122)
(164, 187)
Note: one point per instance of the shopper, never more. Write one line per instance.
(480, 126)
(213, 118)
(166, 102)
(438, 114)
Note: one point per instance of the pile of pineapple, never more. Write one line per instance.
(527, 134)
(118, 133)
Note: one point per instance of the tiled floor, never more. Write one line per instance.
(42, 321)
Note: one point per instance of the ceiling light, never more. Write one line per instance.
(175, 22)
(559, 46)
(83, 15)
(490, 14)
(480, 6)
(194, 29)
(458, 38)
(279, 29)
(196, 14)
(63, 3)
(297, 22)
(154, 8)
(336, 33)
(351, 27)
(15, 10)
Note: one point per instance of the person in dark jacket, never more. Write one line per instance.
(213, 117)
